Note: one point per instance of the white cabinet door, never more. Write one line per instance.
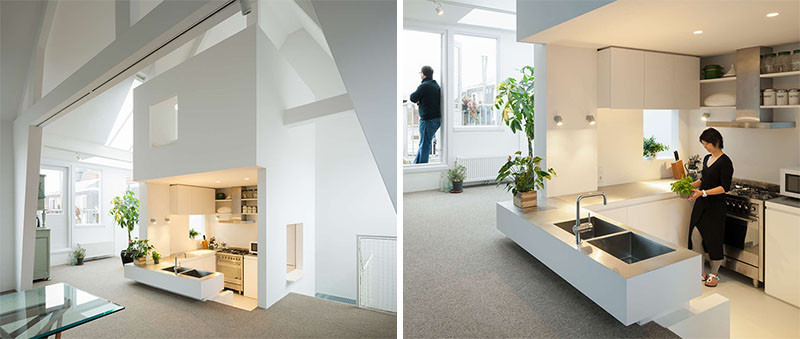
(202, 200)
(251, 277)
(781, 260)
(651, 218)
(158, 201)
(627, 78)
(686, 87)
(618, 214)
(659, 80)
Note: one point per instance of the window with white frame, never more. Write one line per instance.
(421, 49)
(475, 80)
(662, 125)
(87, 186)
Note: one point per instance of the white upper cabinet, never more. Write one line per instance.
(158, 200)
(620, 74)
(631, 79)
(186, 200)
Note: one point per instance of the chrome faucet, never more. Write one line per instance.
(177, 263)
(578, 228)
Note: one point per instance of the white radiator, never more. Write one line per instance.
(99, 249)
(482, 168)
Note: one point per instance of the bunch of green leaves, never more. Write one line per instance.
(515, 99)
(651, 147)
(193, 234)
(683, 186)
(139, 248)
(457, 173)
(79, 252)
(525, 173)
(125, 210)
(156, 255)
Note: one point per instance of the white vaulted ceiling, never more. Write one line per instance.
(663, 25)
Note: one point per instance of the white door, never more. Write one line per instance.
(56, 205)
(377, 272)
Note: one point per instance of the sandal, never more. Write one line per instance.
(704, 277)
(712, 280)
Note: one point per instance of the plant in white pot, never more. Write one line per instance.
(515, 99)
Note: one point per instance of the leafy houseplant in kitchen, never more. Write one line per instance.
(457, 175)
(515, 99)
(125, 210)
(193, 234)
(683, 187)
(139, 249)
(651, 147)
(79, 254)
(156, 256)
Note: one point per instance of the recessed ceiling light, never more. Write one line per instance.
(773, 14)
(697, 32)
(218, 181)
(176, 107)
(245, 179)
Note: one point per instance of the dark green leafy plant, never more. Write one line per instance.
(525, 172)
(139, 248)
(457, 173)
(125, 210)
(79, 252)
(515, 98)
(683, 186)
(651, 147)
(156, 255)
(193, 234)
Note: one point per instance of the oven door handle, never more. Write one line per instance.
(742, 218)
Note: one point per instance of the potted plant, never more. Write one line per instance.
(139, 249)
(193, 234)
(651, 147)
(515, 99)
(156, 256)
(79, 254)
(457, 175)
(683, 187)
(125, 210)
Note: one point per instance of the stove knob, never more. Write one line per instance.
(752, 208)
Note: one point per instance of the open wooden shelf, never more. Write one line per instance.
(780, 75)
(782, 106)
(250, 199)
(716, 107)
(224, 200)
(707, 81)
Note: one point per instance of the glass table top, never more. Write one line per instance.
(44, 311)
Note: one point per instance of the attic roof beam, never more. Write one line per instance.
(165, 28)
(33, 88)
(66, 144)
(196, 44)
(122, 19)
(316, 110)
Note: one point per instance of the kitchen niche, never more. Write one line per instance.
(238, 204)
(294, 251)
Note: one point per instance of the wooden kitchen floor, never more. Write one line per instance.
(754, 314)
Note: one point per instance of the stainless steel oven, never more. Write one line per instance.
(743, 246)
(231, 266)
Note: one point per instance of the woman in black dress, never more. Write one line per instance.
(708, 214)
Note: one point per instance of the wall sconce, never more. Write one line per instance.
(705, 116)
(167, 220)
(559, 121)
(590, 119)
(153, 221)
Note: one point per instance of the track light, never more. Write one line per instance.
(590, 119)
(246, 7)
(153, 221)
(438, 8)
(705, 116)
(559, 121)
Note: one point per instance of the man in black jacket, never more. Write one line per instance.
(428, 97)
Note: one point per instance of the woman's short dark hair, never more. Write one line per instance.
(712, 136)
(427, 71)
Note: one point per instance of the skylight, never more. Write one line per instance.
(482, 17)
(121, 135)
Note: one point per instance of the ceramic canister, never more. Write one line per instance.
(782, 97)
(769, 97)
(794, 96)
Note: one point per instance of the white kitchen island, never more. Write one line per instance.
(201, 288)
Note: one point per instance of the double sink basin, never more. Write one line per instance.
(617, 241)
(185, 271)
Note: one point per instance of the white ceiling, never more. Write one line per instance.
(663, 25)
(19, 25)
(424, 10)
(226, 178)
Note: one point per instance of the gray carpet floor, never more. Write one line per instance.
(463, 278)
(153, 313)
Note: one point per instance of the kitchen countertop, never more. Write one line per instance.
(791, 202)
(623, 192)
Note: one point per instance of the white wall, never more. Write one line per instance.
(235, 235)
(470, 142)
(571, 149)
(350, 201)
(7, 229)
(216, 115)
(80, 30)
(287, 178)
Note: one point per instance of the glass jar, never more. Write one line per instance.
(783, 62)
(763, 64)
(782, 97)
(796, 60)
(794, 96)
(769, 97)
(769, 63)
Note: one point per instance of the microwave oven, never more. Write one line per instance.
(254, 247)
(790, 182)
